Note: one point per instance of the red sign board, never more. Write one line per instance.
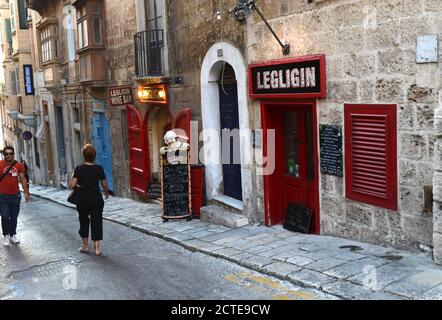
(119, 96)
(302, 77)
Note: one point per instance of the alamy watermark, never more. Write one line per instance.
(370, 281)
(70, 280)
(230, 146)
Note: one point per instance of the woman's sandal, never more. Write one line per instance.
(82, 250)
(98, 253)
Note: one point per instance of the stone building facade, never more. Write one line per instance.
(370, 53)
(197, 59)
(120, 48)
(17, 100)
(69, 46)
(370, 49)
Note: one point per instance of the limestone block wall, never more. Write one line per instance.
(370, 49)
(437, 183)
(192, 30)
(120, 21)
(120, 29)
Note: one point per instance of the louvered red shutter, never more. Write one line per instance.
(371, 154)
(137, 151)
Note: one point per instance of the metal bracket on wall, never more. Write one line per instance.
(244, 7)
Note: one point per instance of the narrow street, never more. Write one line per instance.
(47, 265)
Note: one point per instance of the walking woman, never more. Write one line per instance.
(90, 205)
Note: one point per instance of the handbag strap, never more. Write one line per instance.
(7, 171)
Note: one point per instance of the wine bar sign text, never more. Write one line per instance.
(120, 96)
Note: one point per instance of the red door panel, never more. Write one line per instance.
(182, 122)
(295, 175)
(137, 151)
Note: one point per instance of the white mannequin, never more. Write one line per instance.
(172, 146)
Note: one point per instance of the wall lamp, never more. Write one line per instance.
(243, 9)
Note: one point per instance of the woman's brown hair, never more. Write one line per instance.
(89, 153)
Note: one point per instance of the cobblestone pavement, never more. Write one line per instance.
(341, 267)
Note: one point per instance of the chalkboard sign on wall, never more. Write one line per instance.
(330, 141)
(175, 190)
(298, 218)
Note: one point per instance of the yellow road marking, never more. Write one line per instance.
(261, 283)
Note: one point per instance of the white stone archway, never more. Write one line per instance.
(210, 110)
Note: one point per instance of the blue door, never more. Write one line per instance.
(102, 143)
(230, 121)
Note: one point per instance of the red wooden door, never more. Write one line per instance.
(295, 158)
(139, 174)
(182, 122)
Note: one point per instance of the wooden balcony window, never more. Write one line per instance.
(90, 40)
(89, 25)
(48, 41)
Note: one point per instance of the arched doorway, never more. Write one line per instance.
(217, 58)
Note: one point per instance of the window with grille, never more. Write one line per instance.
(371, 154)
(48, 43)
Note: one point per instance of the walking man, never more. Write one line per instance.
(10, 172)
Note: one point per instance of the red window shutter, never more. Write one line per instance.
(371, 154)
(137, 151)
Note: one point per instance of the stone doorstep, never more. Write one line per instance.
(220, 216)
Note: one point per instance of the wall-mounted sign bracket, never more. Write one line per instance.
(244, 8)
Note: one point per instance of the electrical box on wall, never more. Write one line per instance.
(426, 48)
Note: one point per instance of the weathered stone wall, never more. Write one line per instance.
(120, 29)
(120, 20)
(370, 49)
(192, 30)
(437, 187)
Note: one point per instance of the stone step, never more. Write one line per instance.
(226, 206)
(220, 216)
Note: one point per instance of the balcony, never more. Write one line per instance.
(13, 114)
(149, 56)
(29, 120)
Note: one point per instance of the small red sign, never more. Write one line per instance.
(119, 96)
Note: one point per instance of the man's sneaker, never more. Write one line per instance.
(6, 240)
(15, 239)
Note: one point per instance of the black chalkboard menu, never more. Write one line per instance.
(298, 218)
(330, 141)
(175, 190)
